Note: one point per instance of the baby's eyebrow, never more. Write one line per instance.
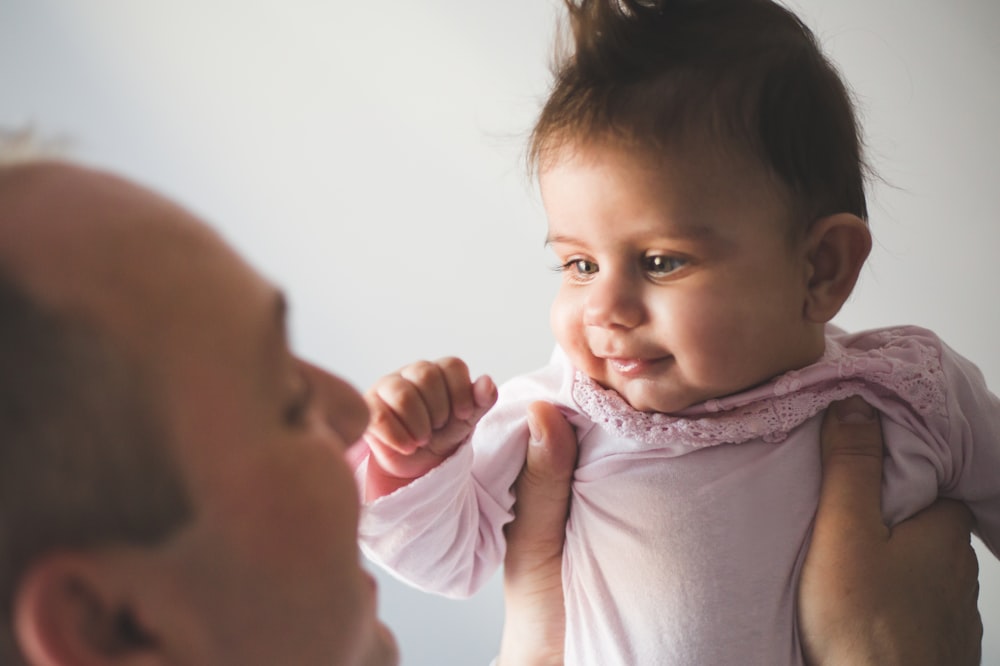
(694, 232)
(559, 238)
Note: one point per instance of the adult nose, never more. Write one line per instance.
(613, 300)
(342, 405)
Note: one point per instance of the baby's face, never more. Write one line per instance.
(681, 281)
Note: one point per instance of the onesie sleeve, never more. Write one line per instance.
(443, 532)
(974, 439)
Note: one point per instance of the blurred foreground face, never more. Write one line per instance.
(268, 570)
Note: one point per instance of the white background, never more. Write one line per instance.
(369, 157)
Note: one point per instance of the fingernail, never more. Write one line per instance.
(853, 410)
(534, 439)
(483, 391)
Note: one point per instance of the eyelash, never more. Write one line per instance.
(569, 265)
(573, 266)
(676, 263)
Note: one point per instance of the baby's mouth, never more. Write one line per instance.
(625, 365)
(633, 367)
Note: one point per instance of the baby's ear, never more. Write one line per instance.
(836, 249)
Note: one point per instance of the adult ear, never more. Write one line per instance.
(836, 247)
(70, 609)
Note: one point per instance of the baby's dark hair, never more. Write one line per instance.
(745, 75)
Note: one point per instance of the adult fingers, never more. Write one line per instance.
(942, 534)
(947, 522)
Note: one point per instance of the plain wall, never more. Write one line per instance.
(368, 156)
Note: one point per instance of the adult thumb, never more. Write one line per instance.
(543, 489)
(850, 495)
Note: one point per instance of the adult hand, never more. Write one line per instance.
(874, 595)
(535, 624)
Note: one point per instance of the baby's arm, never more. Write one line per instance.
(420, 415)
(443, 532)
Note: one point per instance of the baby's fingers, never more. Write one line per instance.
(462, 401)
(484, 395)
(400, 418)
(433, 387)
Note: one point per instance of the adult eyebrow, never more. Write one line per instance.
(274, 342)
(280, 309)
(276, 325)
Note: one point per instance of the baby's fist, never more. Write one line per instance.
(419, 416)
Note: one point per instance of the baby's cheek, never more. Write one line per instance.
(703, 339)
(566, 322)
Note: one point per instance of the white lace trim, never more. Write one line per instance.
(902, 368)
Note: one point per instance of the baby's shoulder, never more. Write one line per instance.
(890, 338)
(917, 360)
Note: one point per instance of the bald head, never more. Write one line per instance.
(85, 458)
(99, 247)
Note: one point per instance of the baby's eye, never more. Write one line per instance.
(578, 267)
(661, 264)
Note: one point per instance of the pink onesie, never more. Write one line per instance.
(687, 532)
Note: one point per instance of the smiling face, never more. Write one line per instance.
(268, 570)
(681, 280)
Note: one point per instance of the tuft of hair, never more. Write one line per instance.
(84, 454)
(20, 146)
(737, 75)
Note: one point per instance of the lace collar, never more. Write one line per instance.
(880, 366)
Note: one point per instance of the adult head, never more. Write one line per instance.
(173, 476)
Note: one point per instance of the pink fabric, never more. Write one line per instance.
(895, 365)
(687, 532)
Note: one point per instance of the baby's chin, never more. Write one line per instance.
(668, 407)
(674, 400)
(653, 388)
(643, 397)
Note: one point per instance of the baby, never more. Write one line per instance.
(701, 170)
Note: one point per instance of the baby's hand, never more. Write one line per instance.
(419, 416)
